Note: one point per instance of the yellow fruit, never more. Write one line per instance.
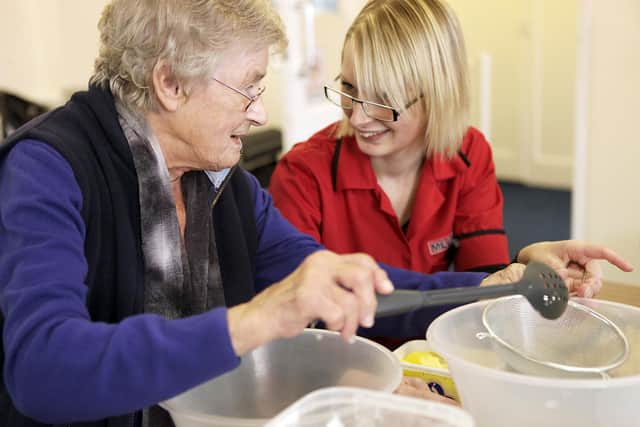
(426, 358)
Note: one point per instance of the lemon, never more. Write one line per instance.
(426, 358)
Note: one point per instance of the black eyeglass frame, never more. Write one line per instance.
(395, 112)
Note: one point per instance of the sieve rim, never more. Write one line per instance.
(555, 365)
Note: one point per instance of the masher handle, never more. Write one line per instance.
(404, 301)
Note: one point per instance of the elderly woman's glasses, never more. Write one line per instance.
(251, 99)
(376, 111)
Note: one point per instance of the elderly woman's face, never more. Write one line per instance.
(211, 122)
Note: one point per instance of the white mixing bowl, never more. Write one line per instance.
(498, 397)
(274, 376)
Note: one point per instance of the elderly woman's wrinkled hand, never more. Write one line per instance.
(576, 262)
(416, 387)
(340, 290)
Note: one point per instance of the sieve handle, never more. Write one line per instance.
(404, 301)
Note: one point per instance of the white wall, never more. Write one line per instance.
(298, 106)
(47, 47)
(609, 196)
(524, 58)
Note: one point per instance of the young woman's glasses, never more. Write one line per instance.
(251, 99)
(376, 111)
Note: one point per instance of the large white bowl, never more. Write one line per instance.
(274, 376)
(498, 397)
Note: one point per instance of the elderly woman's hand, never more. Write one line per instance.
(340, 290)
(576, 262)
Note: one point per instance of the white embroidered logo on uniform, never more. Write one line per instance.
(440, 245)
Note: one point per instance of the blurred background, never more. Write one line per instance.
(556, 89)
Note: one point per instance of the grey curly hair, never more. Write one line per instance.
(189, 35)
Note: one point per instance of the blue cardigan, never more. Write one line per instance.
(62, 367)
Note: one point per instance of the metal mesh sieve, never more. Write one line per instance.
(580, 343)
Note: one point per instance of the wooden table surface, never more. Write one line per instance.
(626, 294)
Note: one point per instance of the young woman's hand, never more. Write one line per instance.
(576, 262)
(509, 274)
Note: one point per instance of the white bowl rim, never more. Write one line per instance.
(528, 379)
(407, 404)
(202, 417)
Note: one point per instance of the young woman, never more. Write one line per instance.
(403, 176)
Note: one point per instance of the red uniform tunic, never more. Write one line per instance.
(328, 189)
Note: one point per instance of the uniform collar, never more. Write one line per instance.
(354, 171)
(447, 168)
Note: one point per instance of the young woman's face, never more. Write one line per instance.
(378, 138)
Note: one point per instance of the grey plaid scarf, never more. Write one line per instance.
(182, 277)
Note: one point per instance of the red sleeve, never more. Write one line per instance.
(296, 193)
(479, 227)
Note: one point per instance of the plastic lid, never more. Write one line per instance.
(353, 407)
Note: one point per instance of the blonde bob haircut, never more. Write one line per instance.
(189, 35)
(407, 51)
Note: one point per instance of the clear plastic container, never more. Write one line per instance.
(352, 407)
(498, 397)
(273, 376)
(438, 379)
